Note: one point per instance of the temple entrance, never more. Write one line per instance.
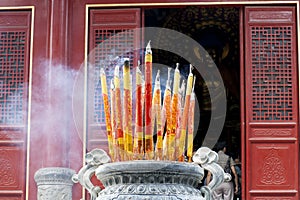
(255, 50)
(216, 29)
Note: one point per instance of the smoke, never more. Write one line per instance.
(51, 112)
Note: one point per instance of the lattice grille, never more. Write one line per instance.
(111, 46)
(12, 76)
(272, 72)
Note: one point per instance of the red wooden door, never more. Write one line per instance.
(113, 35)
(14, 83)
(271, 103)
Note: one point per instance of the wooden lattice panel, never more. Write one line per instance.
(117, 45)
(113, 37)
(272, 73)
(12, 76)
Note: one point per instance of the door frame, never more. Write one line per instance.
(242, 4)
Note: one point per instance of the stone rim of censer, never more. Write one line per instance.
(150, 179)
(131, 172)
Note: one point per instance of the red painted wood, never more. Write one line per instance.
(271, 103)
(68, 44)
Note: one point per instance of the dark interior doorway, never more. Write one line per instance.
(217, 30)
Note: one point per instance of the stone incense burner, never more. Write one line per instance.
(150, 179)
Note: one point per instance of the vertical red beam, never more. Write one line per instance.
(242, 102)
(56, 136)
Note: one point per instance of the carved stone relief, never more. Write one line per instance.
(7, 177)
(273, 171)
(54, 183)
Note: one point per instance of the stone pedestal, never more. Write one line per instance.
(54, 183)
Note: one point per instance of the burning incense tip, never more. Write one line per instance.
(157, 79)
(194, 84)
(148, 48)
(169, 73)
(117, 71)
(102, 72)
(126, 62)
(112, 86)
(191, 68)
(181, 90)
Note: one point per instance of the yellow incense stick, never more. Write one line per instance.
(115, 156)
(148, 104)
(119, 125)
(174, 113)
(166, 116)
(127, 122)
(157, 117)
(179, 148)
(186, 108)
(191, 124)
(106, 111)
(138, 147)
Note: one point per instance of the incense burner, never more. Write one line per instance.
(150, 179)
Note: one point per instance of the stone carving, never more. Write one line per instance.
(47, 192)
(150, 179)
(7, 175)
(145, 178)
(284, 16)
(94, 159)
(207, 159)
(273, 171)
(54, 183)
(272, 132)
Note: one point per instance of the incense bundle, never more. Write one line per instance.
(171, 119)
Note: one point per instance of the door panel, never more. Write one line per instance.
(271, 103)
(14, 62)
